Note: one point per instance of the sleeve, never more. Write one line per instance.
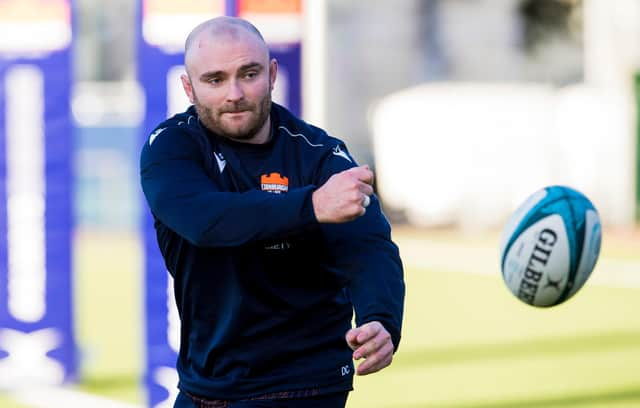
(363, 251)
(186, 199)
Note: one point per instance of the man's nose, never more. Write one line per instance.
(234, 93)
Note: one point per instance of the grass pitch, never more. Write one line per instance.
(467, 342)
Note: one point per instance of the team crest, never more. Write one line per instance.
(274, 183)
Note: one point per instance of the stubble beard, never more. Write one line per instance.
(213, 120)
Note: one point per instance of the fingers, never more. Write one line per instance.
(351, 338)
(344, 197)
(362, 173)
(372, 342)
(358, 335)
(365, 189)
(365, 181)
(368, 331)
(376, 361)
(370, 338)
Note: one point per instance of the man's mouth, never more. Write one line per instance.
(236, 110)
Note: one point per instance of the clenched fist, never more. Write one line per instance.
(372, 342)
(344, 197)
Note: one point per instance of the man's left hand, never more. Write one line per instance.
(372, 342)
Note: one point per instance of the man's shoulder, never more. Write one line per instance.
(186, 121)
(299, 131)
(174, 129)
(177, 136)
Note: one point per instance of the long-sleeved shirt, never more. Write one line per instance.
(265, 292)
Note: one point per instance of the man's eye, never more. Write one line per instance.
(250, 75)
(215, 81)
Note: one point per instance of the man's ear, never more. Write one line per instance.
(273, 72)
(188, 88)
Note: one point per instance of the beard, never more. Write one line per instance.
(214, 119)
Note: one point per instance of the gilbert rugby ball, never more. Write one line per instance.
(550, 246)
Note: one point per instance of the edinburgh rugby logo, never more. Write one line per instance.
(274, 183)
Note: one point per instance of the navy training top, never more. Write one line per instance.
(265, 293)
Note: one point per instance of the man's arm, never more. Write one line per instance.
(363, 249)
(185, 198)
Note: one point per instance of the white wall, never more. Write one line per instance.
(469, 154)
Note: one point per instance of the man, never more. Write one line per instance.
(273, 236)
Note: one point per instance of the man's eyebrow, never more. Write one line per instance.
(251, 65)
(211, 74)
(246, 67)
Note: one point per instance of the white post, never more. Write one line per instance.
(611, 56)
(314, 62)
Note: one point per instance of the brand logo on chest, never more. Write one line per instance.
(274, 183)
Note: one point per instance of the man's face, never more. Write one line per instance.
(230, 82)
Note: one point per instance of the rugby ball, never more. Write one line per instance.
(550, 246)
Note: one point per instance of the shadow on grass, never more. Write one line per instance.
(571, 400)
(520, 349)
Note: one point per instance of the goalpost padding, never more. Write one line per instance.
(37, 344)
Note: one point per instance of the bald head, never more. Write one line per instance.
(229, 78)
(224, 26)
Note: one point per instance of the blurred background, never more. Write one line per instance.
(463, 107)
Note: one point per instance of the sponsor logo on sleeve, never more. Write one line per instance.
(337, 151)
(155, 134)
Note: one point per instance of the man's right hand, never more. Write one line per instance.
(344, 196)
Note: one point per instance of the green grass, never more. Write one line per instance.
(7, 402)
(467, 342)
(109, 288)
